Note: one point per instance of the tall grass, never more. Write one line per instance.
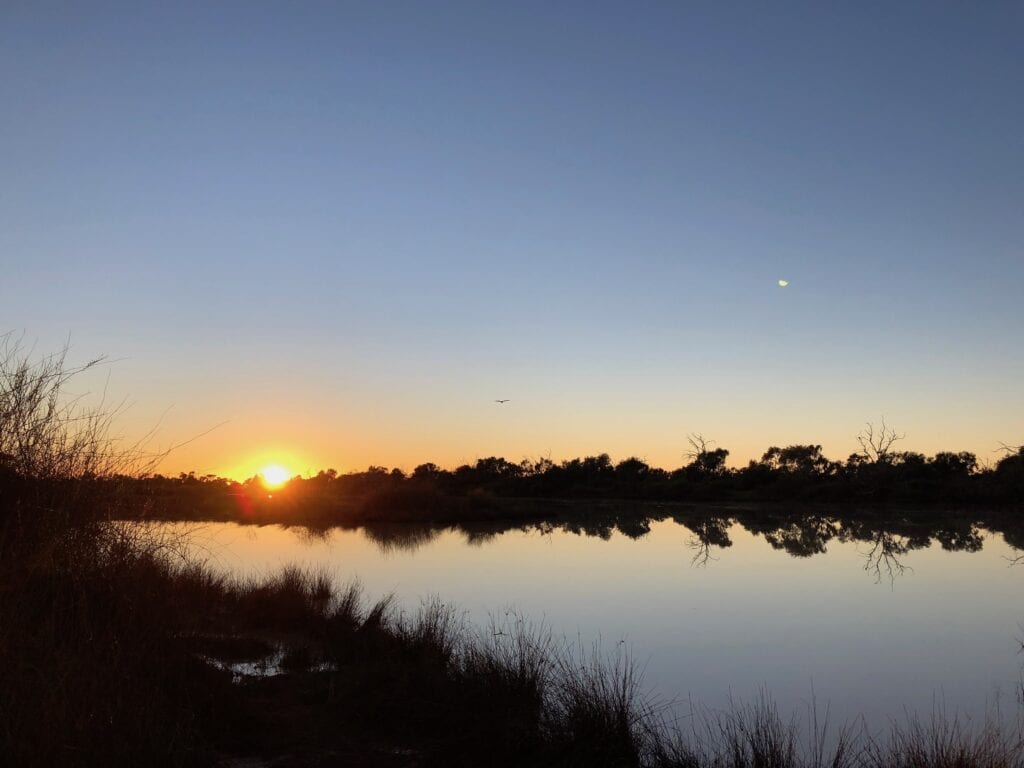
(947, 741)
(755, 735)
(88, 674)
(44, 432)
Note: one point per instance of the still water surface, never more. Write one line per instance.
(869, 635)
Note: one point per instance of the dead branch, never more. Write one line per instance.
(876, 446)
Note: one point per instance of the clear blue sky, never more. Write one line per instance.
(346, 228)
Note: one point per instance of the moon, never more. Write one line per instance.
(783, 283)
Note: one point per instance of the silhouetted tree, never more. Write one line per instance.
(705, 462)
(1012, 463)
(632, 469)
(496, 468)
(948, 464)
(876, 444)
(590, 474)
(908, 459)
(538, 467)
(428, 471)
(1010, 474)
(631, 474)
(798, 459)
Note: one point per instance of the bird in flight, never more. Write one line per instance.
(502, 401)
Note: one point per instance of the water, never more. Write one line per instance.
(888, 624)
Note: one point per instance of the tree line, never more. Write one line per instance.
(878, 473)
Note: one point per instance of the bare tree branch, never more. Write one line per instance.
(876, 447)
(698, 445)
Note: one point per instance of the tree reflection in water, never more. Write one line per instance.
(883, 557)
(708, 532)
(400, 537)
(883, 540)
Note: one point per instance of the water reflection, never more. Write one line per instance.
(398, 537)
(709, 532)
(883, 557)
(882, 542)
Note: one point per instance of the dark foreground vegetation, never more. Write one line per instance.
(115, 649)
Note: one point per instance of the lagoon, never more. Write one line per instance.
(875, 624)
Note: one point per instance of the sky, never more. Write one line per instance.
(330, 235)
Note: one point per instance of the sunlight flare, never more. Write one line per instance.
(274, 475)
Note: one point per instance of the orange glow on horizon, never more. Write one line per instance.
(241, 452)
(243, 466)
(274, 475)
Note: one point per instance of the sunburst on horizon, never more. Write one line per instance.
(274, 475)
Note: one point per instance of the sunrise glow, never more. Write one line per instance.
(274, 475)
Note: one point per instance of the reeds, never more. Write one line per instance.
(947, 741)
(754, 735)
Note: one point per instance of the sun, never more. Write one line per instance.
(274, 475)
